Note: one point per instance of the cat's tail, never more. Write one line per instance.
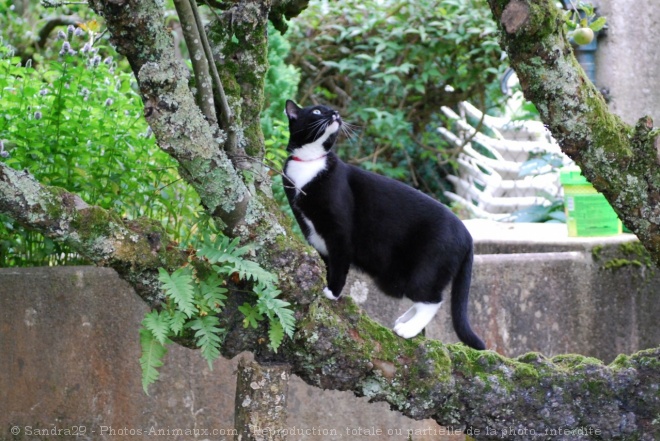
(460, 291)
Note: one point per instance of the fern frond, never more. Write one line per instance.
(275, 334)
(151, 359)
(208, 336)
(213, 294)
(179, 288)
(159, 325)
(287, 320)
(177, 320)
(252, 315)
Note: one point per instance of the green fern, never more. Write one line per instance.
(212, 293)
(193, 302)
(152, 358)
(275, 334)
(208, 336)
(177, 320)
(179, 288)
(228, 259)
(252, 315)
(272, 307)
(159, 324)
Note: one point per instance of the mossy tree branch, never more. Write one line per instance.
(621, 161)
(336, 346)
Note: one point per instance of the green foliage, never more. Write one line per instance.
(389, 66)
(178, 287)
(193, 300)
(77, 123)
(583, 15)
(207, 336)
(153, 353)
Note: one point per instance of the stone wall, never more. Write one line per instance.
(69, 345)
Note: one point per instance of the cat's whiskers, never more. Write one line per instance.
(349, 130)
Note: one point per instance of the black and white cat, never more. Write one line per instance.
(406, 241)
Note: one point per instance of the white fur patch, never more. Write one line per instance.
(301, 173)
(312, 160)
(329, 294)
(315, 238)
(415, 319)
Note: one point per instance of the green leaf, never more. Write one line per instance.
(177, 320)
(151, 359)
(212, 292)
(178, 287)
(252, 315)
(158, 324)
(275, 334)
(598, 24)
(208, 336)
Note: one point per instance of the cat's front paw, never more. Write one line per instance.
(407, 329)
(329, 294)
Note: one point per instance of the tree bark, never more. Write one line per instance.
(261, 399)
(335, 345)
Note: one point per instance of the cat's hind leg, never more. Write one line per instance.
(415, 319)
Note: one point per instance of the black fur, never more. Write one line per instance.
(409, 243)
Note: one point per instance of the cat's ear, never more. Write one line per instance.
(291, 109)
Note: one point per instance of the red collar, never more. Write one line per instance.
(295, 158)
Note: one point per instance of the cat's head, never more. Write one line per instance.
(312, 128)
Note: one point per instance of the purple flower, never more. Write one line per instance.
(79, 32)
(37, 115)
(61, 35)
(66, 48)
(108, 102)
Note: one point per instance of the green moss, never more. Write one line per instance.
(573, 361)
(596, 252)
(629, 254)
(615, 264)
(622, 361)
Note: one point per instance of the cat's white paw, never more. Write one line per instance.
(407, 329)
(329, 294)
(406, 316)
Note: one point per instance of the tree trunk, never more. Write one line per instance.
(261, 399)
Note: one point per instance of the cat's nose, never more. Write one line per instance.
(335, 116)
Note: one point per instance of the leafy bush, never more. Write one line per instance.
(77, 123)
(389, 66)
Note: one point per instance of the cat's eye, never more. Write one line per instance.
(316, 112)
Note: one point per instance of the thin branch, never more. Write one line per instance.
(204, 84)
(226, 115)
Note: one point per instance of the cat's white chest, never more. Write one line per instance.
(302, 173)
